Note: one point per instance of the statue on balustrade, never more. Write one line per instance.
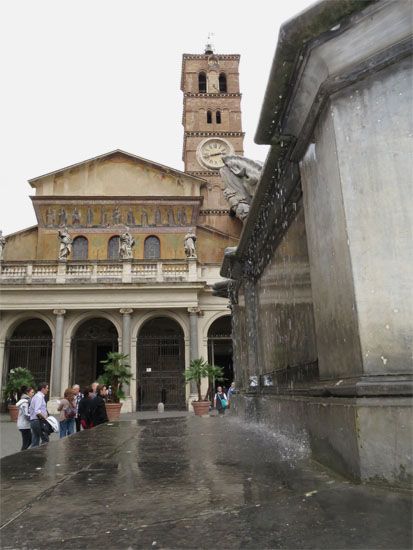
(189, 244)
(2, 244)
(158, 217)
(130, 218)
(126, 243)
(65, 244)
(240, 176)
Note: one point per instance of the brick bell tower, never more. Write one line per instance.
(212, 128)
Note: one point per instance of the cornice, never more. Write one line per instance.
(205, 56)
(197, 94)
(207, 134)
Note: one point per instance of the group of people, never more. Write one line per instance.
(222, 400)
(77, 410)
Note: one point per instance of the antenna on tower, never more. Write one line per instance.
(209, 47)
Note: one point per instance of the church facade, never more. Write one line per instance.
(124, 256)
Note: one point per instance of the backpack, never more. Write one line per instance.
(70, 412)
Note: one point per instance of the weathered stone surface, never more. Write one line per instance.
(187, 483)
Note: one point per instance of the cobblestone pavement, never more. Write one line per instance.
(189, 482)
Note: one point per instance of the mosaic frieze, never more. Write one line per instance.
(95, 216)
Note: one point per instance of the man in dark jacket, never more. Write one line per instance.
(98, 410)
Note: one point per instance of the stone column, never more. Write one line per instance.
(56, 381)
(193, 340)
(126, 341)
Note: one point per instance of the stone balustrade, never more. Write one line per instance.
(71, 272)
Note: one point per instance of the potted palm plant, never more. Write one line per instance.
(116, 373)
(199, 369)
(16, 378)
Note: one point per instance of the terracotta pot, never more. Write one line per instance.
(201, 408)
(113, 411)
(14, 412)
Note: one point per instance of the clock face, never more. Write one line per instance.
(211, 151)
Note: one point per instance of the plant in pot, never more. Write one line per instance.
(199, 369)
(16, 378)
(116, 373)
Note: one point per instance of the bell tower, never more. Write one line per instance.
(212, 127)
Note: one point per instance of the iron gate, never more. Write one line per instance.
(161, 364)
(33, 353)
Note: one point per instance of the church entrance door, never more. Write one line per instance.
(92, 342)
(220, 348)
(161, 364)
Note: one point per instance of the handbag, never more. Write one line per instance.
(70, 412)
(224, 402)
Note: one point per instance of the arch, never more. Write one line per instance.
(72, 326)
(220, 345)
(202, 83)
(180, 319)
(7, 329)
(209, 117)
(223, 83)
(80, 248)
(218, 117)
(113, 248)
(29, 345)
(152, 248)
(91, 342)
(160, 363)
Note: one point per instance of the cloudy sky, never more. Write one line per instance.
(83, 77)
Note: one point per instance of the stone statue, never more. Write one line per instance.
(126, 243)
(240, 176)
(238, 205)
(65, 244)
(2, 244)
(189, 244)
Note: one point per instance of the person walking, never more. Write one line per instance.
(23, 420)
(220, 401)
(67, 408)
(231, 391)
(85, 409)
(78, 398)
(38, 414)
(98, 412)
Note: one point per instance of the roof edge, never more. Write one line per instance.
(115, 151)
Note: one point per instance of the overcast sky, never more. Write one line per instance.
(83, 77)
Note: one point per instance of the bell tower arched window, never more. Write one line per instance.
(223, 83)
(209, 117)
(152, 248)
(202, 83)
(113, 248)
(80, 248)
(218, 117)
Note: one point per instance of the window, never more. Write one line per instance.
(202, 87)
(209, 117)
(80, 248)
(223, 83)
(152, 248)
(113, 248)
(218, 117)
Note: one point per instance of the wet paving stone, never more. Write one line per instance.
(190, 483)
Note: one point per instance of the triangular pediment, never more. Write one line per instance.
(117, 173)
